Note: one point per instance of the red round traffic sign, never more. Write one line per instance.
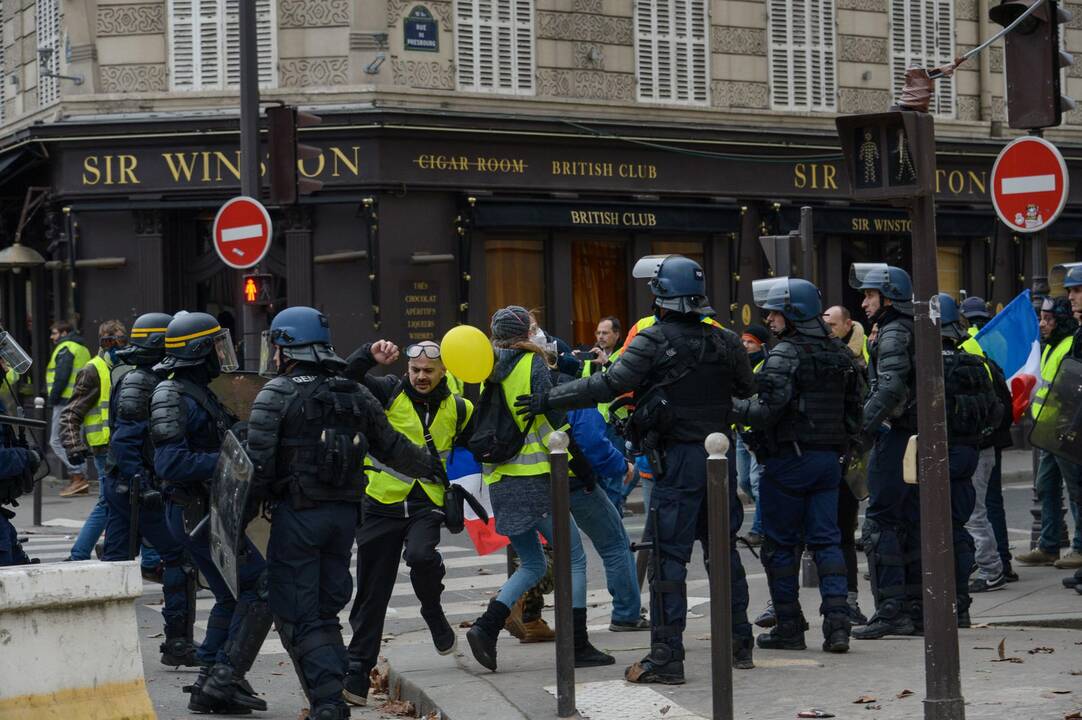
(1029, 184)
(242, 232)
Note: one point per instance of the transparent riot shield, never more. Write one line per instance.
(1058, 427)
(228, 508)
(237, 391)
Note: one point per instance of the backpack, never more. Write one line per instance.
(973, 410)
(496, 437)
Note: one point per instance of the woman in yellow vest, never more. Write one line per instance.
(69, 356)
(84, 425)
(519, 488)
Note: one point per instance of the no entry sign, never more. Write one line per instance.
(1029, 184)
(242, 232)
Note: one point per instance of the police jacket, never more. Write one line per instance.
(187, 424)
(15, 462)
(310, 431)
(696, 367)
(129, 438)
(892, 374)
(809, 395)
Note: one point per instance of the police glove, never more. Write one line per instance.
(35, 459)
(530, 406)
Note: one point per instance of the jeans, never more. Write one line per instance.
(58, 448)
(148, 556)
(596, 516)
(1052, 474)
(95, 521)
(749, 474)
(532, 569)
(962, 463)
(997, 514)
(989, 564)
(614, 489)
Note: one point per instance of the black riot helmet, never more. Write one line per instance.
(678, 283)
(146, 342)
(196, 338)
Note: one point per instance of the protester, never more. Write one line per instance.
(69, 356)
(748, 470)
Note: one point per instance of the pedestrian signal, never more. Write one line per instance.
(888, 155)
(258, 289)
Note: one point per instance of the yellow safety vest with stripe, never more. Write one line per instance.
(970, 345)
(1050, 362)
(756, 369)
(390, 486)
(533, 458)
(865, 351)
(81, 357)
(96, 422)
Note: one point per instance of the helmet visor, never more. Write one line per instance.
(1067, 274)
(872, 276)
(267, 367)
(223, 348)
(648, 266)
(12, 354)
(770, 293)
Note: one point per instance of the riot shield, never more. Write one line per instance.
(228, 507)
(1058, 427)
(237, 391)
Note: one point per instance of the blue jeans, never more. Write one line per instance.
(614, 489)
(596, 516)
(749, 474)
(533, 564)
(95, 521)
(1052, 474)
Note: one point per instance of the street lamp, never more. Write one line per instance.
(17, 256)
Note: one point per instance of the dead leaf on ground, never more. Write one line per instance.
(156, 635)
(484, 571)
(377, 679)
(980, 626)
(982, 647)
(904, 693)
(1041, 651)
(466, 624)
(303, 714)
(277, 673)
(1056, 691)
(1076, 672)
(665, 709)
(1076, 715)
(1002, 651)
(401, 708)
(865, 699)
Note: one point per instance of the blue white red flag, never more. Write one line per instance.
(1013, 339)
(463, 469)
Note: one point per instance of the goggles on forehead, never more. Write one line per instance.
(432, 352)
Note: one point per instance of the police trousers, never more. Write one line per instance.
(11, 552)
(891, 530)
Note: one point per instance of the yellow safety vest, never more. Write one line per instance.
(865, 351)
(456, 386)
(1050, 361)
(390, 486)
(82, 357)
(533, 458)
(96, 422)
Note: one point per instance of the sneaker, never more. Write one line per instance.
(1037, 556)
(1009, 574)
(443, 636)
(355, 688)
(767, 618)
(1070, 561)
(637, 625)
(79, 485)
(980, 585)
(1072, 581)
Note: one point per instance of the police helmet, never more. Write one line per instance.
(892, 282)
(1070, 272)
(678, 283)
(1060, 307)
(974, 307)
(146, 343)
(795, 298)
(302, 334)
(950, 318)
(196, 338)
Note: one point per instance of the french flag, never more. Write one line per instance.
(1013, 339)
(463, 469)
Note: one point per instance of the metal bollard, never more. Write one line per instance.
(38, 413)
(561, 570)
(721, 601)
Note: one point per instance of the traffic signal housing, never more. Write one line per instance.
(1033, 61)
(286, 153)
(258, 289)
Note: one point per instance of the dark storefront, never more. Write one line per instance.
(426, 221)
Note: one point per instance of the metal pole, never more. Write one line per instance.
(249, 163)
(561, 571)
(39, 414)
(721, 627)
(807, 243)
(943, 686)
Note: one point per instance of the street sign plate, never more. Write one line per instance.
(1029, 184)
(242, 232)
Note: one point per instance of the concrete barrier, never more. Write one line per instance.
(69, 642)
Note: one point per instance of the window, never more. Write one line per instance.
(803, 74)
(204, 44)
(672, 57)
(951, 269)
(922, 34)
(515, 272)
(494, 46)
(47, 19)
(598, 285)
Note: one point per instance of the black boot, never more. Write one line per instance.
(355, 687)
(177, 652)
(663, 665)
(788, 632)
(890, 619)
(742, 650)
(916, 615)
(329, 712)
(836, 632)
(201, 703)
(443, 636)
(1073, 581)
(485, 631)
(226, 685)
(586, 655)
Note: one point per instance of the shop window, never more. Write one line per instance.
(951, 271)
(688, 248)
(47, 24)
(515, 273)
(672, 51)
(803, 70)
(598, 286)
(494, 46)
(922, 34)
(204, 44)
(1059, 255)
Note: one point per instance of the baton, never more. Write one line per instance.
(23, 422)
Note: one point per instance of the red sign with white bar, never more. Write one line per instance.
(242, 232)
(1029, 184)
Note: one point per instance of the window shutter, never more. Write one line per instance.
(672, 51)
(181, 44)
(47, 24)
(922, 33)
(209, 32)
(494, 46)
(803, 71)
(524, 46)
(265, 46)
(466, 44)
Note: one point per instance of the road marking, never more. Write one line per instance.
(244, 232)
(1028, 184)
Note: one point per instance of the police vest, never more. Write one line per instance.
(96, 422)
(972, 407)
(533, 458)
(816, 416)
(81, 357)
(1050, 362)
(390, 486)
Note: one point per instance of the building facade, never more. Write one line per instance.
(476, 153)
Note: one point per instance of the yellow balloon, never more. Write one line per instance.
(467, 353)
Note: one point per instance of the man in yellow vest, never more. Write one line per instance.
(84, 425)
(399, 510)
(1057, 333)
(68, 358)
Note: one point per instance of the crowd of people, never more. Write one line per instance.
(339, 452)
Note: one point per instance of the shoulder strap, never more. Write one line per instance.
(202, 398)
(685, 363)
(460, 413)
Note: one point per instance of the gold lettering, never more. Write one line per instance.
(800, 180)
(91, 172)
(224, 160)
(108, 169)
(206, 165)
(126, 169)
(179, 165)
(320, 164)
(939, 175)
(339, 156)
(830, 180)
(956, 175)
(860, 224)
(978, 182)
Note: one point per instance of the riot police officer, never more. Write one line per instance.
(684, 369)
(891, 532)
(187, 424)
(308, 435)
(17, 464)
(133, 472)
(805, 416)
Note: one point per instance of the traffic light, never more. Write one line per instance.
(1033, 60)
(888, 155)
(258, 289)
(286, 181)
